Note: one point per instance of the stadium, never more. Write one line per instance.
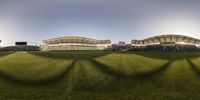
(75, 43)
(99, 50)
(80, 68)
(169, 42)
(161, 43)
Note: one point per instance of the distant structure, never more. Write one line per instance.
(169, 42)
(20, 46)
(75, 43)
(121, 46)
(121, 43)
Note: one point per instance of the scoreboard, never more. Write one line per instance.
(20, 43)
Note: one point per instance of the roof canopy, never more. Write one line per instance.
(167, 38)
(75, 39)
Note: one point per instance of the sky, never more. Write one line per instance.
(117, 20)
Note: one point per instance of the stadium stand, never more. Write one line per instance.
(75, 43)
(20, 46)
(169, 42)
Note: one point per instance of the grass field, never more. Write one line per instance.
(99, 75)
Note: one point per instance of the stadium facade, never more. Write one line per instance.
(169, 42)
(75, 43)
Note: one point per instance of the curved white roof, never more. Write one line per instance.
(75, 39)
(167, 38)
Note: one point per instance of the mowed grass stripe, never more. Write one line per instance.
(32, 68)
(130, 63)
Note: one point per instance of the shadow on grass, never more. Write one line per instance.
(54, 54)
(42, 82)
(167, 55)
(194, 67)
(115, 80)
(75, 55)
(107, 70)
(155, 72)
(82, 55)
(5, 53)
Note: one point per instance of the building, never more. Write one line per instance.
(75, 43)
(121, 46)
(169, 42)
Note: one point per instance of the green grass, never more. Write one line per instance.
(99, 75)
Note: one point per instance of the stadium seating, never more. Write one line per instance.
(165, 43)
(20, 48)
(163, 48)
(75, 43)
(72, 47)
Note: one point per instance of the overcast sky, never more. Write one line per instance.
(37, 20)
